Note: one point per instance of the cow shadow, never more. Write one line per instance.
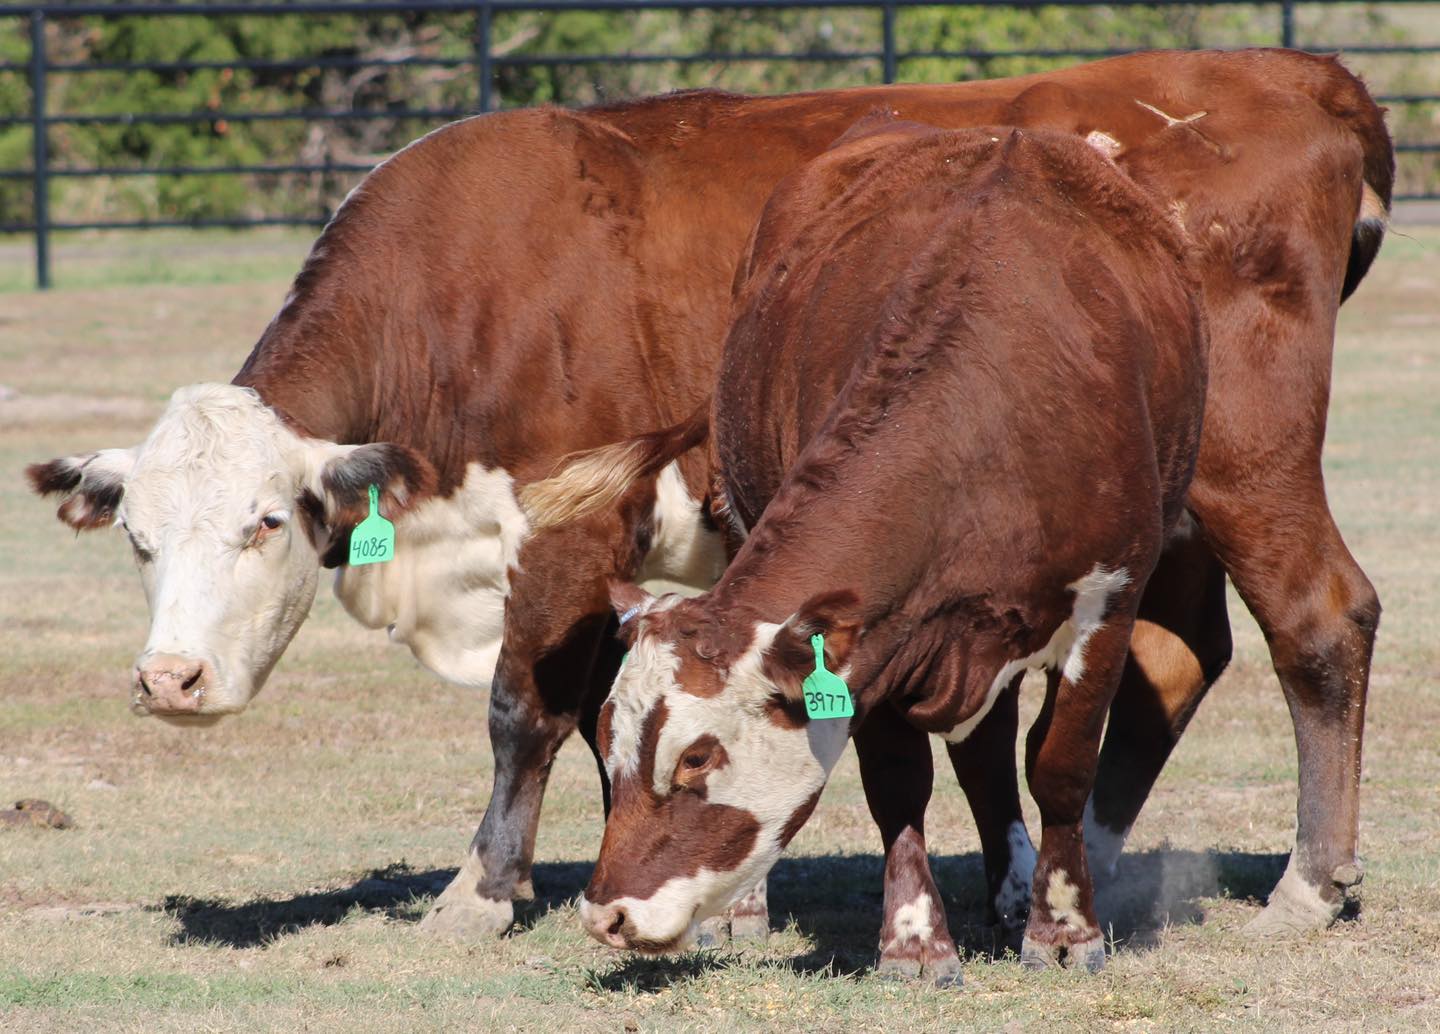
(835, 900)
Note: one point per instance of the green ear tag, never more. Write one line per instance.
(826, 695)
(373, 540)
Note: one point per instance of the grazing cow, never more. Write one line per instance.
(957, 413)
(525, 284)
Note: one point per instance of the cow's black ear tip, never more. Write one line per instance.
(53, 476)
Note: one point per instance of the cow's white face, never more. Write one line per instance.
(227, 511)
(713, 765)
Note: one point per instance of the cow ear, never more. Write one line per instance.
(629, 601)
(790, 655)
(339, 477)
(92, 484)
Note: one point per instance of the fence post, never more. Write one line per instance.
(483, 16)
(40, 149)
(1287, 23)
(887, 22)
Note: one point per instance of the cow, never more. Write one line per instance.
(955, 419)
(525, 284)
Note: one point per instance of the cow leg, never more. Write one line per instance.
(550, 670)
(897, 773)
(1061, 755)
(985, 768)
(1319, 614)
(1180, 645)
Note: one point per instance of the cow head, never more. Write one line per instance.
(228, 512)
(713, 764)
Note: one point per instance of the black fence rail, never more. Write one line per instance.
(885, 62)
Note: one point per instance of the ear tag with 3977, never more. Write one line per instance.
(373, 540)
(826, 695)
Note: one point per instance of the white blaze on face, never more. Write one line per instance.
(771, 772)
(1066, 648)
(216, 465)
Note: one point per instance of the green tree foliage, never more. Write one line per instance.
(297, 68)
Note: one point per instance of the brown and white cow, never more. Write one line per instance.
(522, 285)
(957, 414)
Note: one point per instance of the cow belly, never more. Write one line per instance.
(1066, 648)
(444, 594)
(686, 556)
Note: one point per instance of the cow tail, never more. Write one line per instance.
(596, 479)
(1347, 99)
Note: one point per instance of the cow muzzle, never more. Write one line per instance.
(168, 684)
(614, 926)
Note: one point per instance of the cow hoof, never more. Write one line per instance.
(468, 918)
(750, 928)
(1087, 955)
(942, 972)
(713, 932)
(1295, 908)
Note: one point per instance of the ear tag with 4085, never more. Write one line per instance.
(373, 540)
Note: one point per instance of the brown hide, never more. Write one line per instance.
(521, 285)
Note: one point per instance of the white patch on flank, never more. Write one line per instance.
(1063, 899)
(1103, 845)
(1171, 120)
(912, 921)
(444, 594)
(1013, 897)
(1066, 648)
(685, 555)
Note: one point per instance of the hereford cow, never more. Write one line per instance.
(956, 416)
(522, 285)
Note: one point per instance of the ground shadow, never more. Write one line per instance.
(834, 899)
(392, 890)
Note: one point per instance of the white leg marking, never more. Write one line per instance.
(1103, 845)
(913, 921)
(1063, 899)
(1013, 897)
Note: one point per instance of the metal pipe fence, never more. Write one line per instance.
(488, 64)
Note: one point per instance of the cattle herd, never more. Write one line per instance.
(919, 387)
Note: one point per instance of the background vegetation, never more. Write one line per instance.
(438, 75)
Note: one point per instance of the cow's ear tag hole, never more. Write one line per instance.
(826, 695)
(373, 540)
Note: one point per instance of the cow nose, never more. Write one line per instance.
(167, 683)
(605, 923)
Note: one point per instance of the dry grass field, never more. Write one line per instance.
(267, 874)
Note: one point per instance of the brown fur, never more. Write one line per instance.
(517, 287)
(945, 341)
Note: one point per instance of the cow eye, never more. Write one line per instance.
(693, 761)
(272, 521)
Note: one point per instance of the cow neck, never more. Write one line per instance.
(323, 366)
(794, 555)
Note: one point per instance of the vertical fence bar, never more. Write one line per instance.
(1287, 23)
(40, 149)
(483, 56)
(887, 23)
